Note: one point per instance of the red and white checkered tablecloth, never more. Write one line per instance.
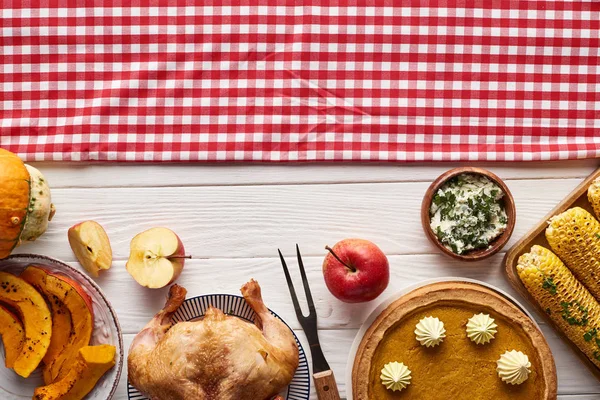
(297, 80)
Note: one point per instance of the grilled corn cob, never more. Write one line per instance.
(594, 196)
(570, 305)
(574, 236)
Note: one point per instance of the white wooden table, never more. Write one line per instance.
(232, 219)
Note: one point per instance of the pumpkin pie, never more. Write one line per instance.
(458, 368)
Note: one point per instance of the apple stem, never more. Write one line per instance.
(337, 258)
(177, 257)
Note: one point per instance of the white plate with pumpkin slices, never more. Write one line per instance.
(80, 315)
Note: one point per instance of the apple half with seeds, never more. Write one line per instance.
(156, 258)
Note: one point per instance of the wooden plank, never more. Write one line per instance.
(163, 175)
(253, 221)
(573, 378)
(207, 276)
(234, 213)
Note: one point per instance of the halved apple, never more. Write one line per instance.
(13, 336)
(61, 316)
(156, 258)
(91, 246)
(36, 318)
(79, 303)
(92, 363)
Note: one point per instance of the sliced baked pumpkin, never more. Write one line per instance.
(13, 336)
(79, 304)
(61, 316)
(91, 364)
(36, 318)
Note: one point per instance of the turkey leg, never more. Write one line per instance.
(275, 331)
(158, 326)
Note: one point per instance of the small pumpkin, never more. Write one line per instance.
(37, 321)
(79, 303)
(25, 203)
(91, 364)
(13, 336)
(61, 316)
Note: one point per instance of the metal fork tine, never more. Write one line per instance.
(309, 299)
(308, 323)
(288, 278)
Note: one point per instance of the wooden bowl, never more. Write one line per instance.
(496, 244)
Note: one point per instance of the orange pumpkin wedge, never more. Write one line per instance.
(92, 363)
(79, 303)
(13, 336)
(36, 317)
(14, 200)
(61, 316)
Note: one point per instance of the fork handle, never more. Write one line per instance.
(325, 386)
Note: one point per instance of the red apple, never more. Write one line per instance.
(356, 270)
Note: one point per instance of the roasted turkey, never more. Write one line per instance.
(218, 357)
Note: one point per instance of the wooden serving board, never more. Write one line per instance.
(577, 198)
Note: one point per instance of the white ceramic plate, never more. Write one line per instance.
(391, 299)
(194, 308)
(106, 331)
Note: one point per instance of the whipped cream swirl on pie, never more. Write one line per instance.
(395, 376)
(430, 331)
(481, 328)
(513, 367)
